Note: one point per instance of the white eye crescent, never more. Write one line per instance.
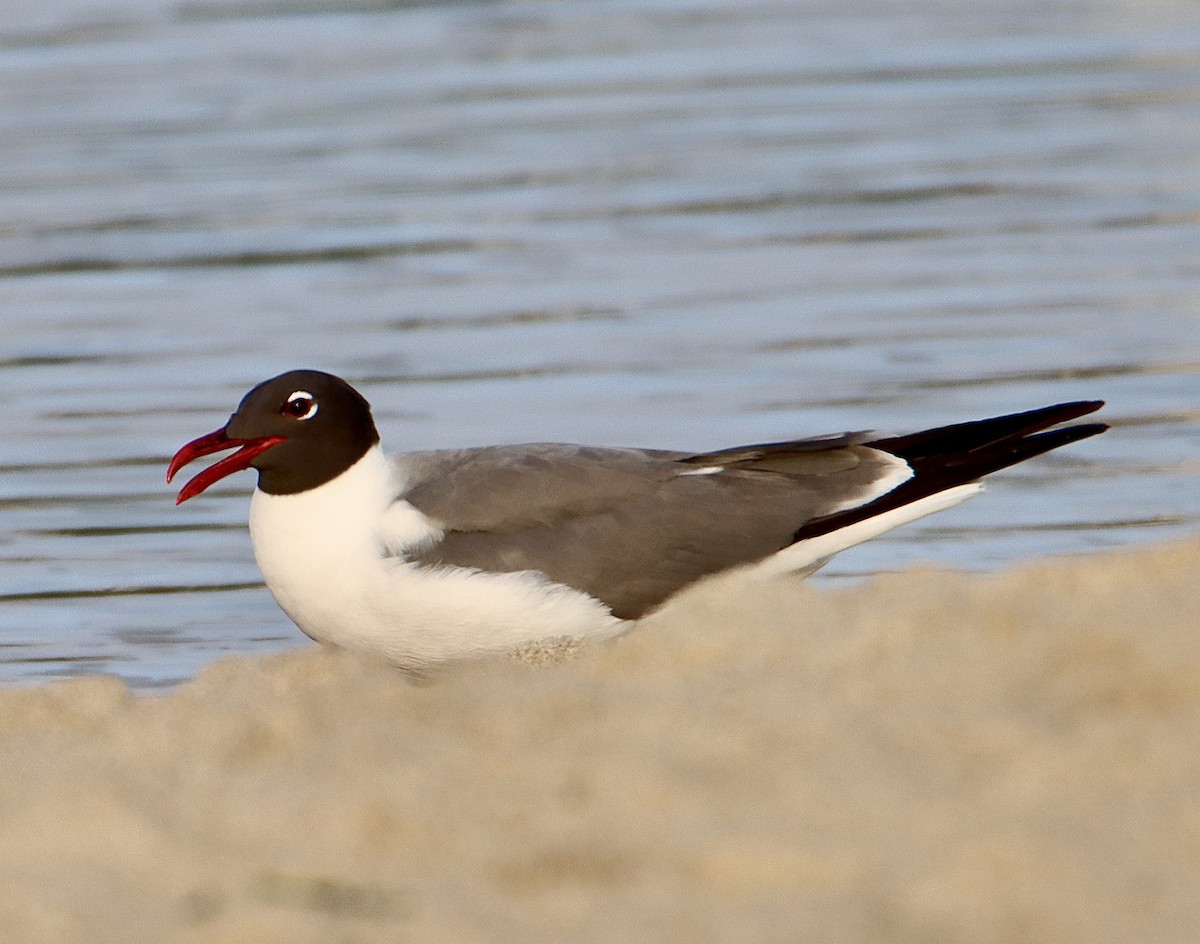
(301, 405)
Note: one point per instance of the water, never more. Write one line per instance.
(685, 224)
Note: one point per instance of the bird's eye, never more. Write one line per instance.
(300, 406)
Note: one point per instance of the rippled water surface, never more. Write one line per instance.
(685, 224)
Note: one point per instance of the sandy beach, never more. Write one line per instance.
(928, 757)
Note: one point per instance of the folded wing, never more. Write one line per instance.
(632, 526)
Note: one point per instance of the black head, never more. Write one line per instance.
(299, 430)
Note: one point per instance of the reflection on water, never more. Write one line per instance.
(662, 223)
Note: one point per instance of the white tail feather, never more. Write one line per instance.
(808, 555)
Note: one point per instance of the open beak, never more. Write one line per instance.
(217, 441)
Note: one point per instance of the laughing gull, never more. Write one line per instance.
(438, 555)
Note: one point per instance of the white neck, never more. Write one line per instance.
(334, 558)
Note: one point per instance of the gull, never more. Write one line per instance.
(448, 554)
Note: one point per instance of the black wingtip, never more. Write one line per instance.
(1015, 449)
(1074, 408)
(959, 438)
(948, 456)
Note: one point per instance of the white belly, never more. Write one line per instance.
(334, 559)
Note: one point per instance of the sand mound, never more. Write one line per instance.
(931, 757)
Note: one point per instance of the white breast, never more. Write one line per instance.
(334, 558)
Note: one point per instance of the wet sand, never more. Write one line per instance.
(928, 757)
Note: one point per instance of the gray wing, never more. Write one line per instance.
(631, 526)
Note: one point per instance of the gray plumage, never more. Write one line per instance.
(632, 526)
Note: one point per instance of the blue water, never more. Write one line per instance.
(684, 224)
